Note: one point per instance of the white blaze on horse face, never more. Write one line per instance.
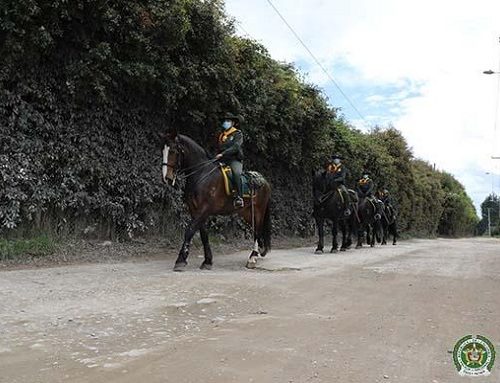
(164, 167)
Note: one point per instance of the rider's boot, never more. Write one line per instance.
(380, 206)
(345, 196)
(236, 167)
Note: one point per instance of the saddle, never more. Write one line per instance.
(372, 200)
(250, 181)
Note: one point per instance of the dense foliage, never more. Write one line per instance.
(88, 86)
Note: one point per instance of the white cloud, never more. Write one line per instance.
(431, 52)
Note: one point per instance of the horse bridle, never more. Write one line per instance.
(175, 168)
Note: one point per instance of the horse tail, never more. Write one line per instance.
(266, 229)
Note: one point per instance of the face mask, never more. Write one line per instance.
(227, 124)
(336, 161)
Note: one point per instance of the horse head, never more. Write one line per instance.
(172, 157)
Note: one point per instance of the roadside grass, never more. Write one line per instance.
(38, 246)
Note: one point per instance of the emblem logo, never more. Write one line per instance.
(474, 356)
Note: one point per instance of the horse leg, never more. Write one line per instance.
(321, 234)
(349, 227)
(360, 237)
(207, 263)
(264, 231)
(257, 224)
(385, 230)
(252, 259)
(343, 229)
(192, 228)
(394, 233)
(335, 244)
(372, 234)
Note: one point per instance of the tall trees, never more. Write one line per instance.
(87, 86)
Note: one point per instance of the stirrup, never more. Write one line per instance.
(377, 216)
(238, 202)
(347, 212)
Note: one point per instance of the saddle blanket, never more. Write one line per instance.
(249, 179)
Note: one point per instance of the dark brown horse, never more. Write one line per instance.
(330, 205)
(389, 225)
(205, 195)
(369, 222)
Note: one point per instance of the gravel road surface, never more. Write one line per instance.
(387, 314)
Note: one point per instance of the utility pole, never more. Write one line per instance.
(489, 222)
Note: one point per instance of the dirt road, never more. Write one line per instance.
(388, 314)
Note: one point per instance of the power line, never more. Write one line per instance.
(317, 61)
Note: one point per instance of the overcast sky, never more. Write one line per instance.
(414, 64)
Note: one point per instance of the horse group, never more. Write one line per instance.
(205, 195)
(356, 216)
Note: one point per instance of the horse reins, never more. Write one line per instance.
(196, 168)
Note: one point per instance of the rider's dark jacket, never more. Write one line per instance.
(365, 187)
(230, 143)
(336, 173)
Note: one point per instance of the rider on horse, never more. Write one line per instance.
(231, 152)
(336, 174)
(386, 198)
(364, 188)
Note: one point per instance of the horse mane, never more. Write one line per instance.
(196, 148)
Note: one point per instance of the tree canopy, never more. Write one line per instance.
(87, 86)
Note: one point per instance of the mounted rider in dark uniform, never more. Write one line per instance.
(364, 188)
(231, 152)
(386, 198)
(336, 174)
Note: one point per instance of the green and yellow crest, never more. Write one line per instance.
(474, 355)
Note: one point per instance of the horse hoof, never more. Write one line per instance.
(318, 251)
(394, 244)
(372, 245)
(180, 266)
(333, 250)
(205, 266)
(358, 246)
(343, 249)
(251, 265)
